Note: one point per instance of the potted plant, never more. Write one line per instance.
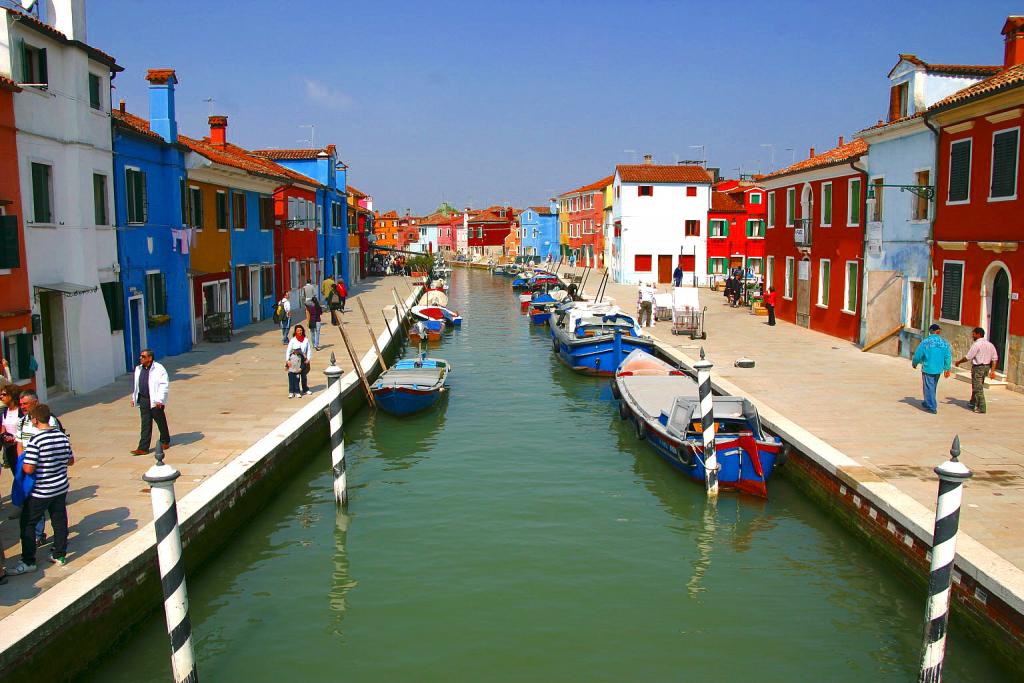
(157, 320)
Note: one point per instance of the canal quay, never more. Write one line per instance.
(228, 411)
(519, 530)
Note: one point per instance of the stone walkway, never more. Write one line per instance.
(223, 398)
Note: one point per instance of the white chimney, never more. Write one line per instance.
(68, 17)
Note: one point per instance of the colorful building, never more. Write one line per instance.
(385, 229)
(581, 223)
(736, 227)
(979, 217)
(815, 239)
(539, 231)
(152, 236)
(360, 230)
(487, 229)
(409, 232)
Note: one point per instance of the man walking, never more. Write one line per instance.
(26, 429)
(308, 292)
(935, 357)
(284, 316)
(326, 287)
(150, 395)
(646, 298)
(677, 277)
(47, 457)
(983, 356)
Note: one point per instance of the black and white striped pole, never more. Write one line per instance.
(707, 423)
(160, 478)
(952, 475)
(333, 373)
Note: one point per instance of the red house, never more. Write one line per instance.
(15, 298)
(488, 230)
(581, 223)
(814, 241)
(979, 212)
(736, 228)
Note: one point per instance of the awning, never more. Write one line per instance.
(66, 288)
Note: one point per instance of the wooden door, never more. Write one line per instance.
(1000, 316)
(664, 268)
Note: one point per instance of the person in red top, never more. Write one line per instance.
(769, 303)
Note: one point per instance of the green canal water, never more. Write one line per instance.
(520, 532)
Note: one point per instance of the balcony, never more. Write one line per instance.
(802, 232)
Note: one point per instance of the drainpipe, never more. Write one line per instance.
(931, 229)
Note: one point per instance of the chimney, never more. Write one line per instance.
(648, 159)
(219, 130)
(1013, 50)
(811, 155)
(161, 103)
(840, 141)
(121, 106)
(68, 17)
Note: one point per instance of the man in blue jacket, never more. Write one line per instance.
(935, 357)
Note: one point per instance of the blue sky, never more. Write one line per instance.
(479, 103)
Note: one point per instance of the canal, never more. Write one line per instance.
(520, 532)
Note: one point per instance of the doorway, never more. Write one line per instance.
(998, 306)
(664, 268)
(136, 330)
(803, 293)
(255, 295)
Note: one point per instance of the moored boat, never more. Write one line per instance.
(425, 330)
(594, 338)
(541, 307)
(411, 385)
(663, 404)
(438, 312)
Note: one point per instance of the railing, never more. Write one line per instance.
(802, 232)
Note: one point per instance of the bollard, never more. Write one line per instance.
(160, 478)
(952, 475)
(707, 422)
(333, 373)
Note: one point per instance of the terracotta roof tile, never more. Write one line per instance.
(135, 123)
(721, 201)
(839, 155)
(161, 75)
(292, 153)
(1004, 80)
(358, 193)
(543, 210)
(952, 69)
(237, 157)
(653, 173)
(885, 124)
(599, 185)
(8, 84)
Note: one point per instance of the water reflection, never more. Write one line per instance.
(341, 581)
(404, 441)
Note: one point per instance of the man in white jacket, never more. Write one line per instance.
(150, 395)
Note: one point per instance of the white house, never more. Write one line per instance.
(65, 161)
(659, 219)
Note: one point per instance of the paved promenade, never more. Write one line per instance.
(223, 398)
(867, 405)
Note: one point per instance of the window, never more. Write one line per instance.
(959, 171)
(824, 276)
(915, 314)
(693, 228)
(135, 192)
(238, 210)
(645, 190)
(10, 243)
(156, 293)
(241, 284)
(617, 188)
(266, 214)
(769, 278)
(195, 207)
(790, 206)
(850, 287)
(754, 263)
(755, 228)
(18, 352)
(920, 208)
(771, 209)
(94, 92)
(899, 101)
(755, 197)
(33, 65)
(222, 210)
(42, 193)
(113, 299)
(293, 274)
(718, 227)
(790, 268)
(877, 184)
(853, 208)
(642, 263)
(826, 204)
(1004, 164)
(267, 281)
(691, 192)
(717, 266)
(952, 290)
(99, 198)
(320, 217)
(183, 202)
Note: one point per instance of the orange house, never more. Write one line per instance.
(385, 228)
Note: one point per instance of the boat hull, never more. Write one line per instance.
(598, 356)
(405, 400)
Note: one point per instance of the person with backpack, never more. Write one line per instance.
(296, 363)
(283, 317)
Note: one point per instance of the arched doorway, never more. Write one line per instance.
(997, 304)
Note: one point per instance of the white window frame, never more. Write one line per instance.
(789, 278)
(849, 202)
(747, 229)
(790, 202)
(949, 172)
(872, 181)
(771, 209)
(760, 264)
(711, 228)
(227, 211)
(846, 287)
(756, 195)
(942, 284)
(293, 274)
(145, 195)
(718, 259)
(769, 273)
(821, 278)
(832, 204)
(191, 213)
(992, 165)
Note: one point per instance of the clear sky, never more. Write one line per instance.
(483, 102)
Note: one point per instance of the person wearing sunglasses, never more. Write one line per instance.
(150, 395)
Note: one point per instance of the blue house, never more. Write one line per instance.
(539, 231)
(152, 295)
(329, 174)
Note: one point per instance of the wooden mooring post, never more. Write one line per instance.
(373, 337)
(358, 366)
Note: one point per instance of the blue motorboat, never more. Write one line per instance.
(594, 338)
(411, 385)
(541, 307)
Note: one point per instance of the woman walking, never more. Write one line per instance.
(315, 313)
(296, 362)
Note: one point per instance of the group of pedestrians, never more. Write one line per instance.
(935, 356)
(300, 344)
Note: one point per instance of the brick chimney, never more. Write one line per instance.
(161, 103)
(811, 154)
(1013, 32)
(219, 130)
(840, 141)
(648, 159)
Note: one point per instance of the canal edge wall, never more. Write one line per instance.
(988, 590)
(54, 636)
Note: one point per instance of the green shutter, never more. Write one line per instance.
(113, 299)
(959, 170)
(750, 229)
(26, 74)
(24, 346)
(94, 91)
(725, 231)
(1004, 164)
(10, 252)
(855, 202)
(41, 193)
(828, 204)
(43, 75)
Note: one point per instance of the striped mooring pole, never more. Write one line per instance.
(952, 475)
(160, 478)
(333, 373)
(707, 423)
